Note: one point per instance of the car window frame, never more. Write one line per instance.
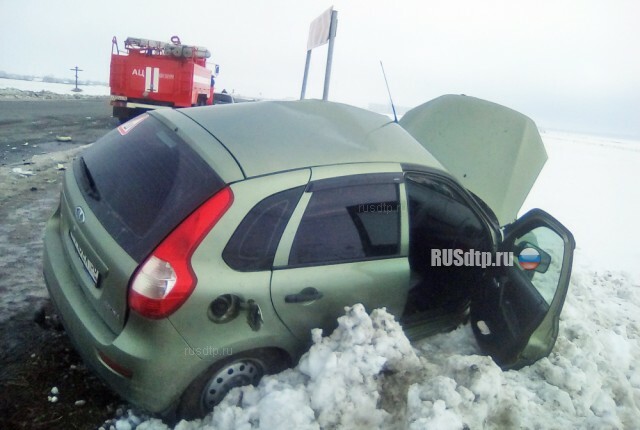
(478, 206)
(253, 216)
(281, 261)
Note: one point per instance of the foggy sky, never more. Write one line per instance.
(572, 65)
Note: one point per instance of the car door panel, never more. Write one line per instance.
(342, 246)
(515, 316)
(376, 284)
(523, 307)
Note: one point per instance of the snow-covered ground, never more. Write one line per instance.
(590, 380)
(591, 184)
(87, 90)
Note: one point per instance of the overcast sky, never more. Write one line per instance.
(572, 65)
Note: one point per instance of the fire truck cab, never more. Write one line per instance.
(151, 74)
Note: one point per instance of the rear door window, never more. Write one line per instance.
(348, 223)
(141, 181)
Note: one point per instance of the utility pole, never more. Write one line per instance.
(76, 89)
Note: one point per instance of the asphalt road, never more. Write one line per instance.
(35, 355)
(30, 127)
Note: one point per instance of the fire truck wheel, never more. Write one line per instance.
(202, 100)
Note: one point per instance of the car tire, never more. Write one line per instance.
(202, 100)
(204, 393)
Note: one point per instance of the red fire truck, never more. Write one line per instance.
(150, 74)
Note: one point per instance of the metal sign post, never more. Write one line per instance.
(306, 73)
(322, 30)
(332, 36)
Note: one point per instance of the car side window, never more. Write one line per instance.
(348, 223)
(253, 245)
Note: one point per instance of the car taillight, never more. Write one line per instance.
(166, 279)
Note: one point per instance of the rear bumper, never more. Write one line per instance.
(157, 361)
(132, 105)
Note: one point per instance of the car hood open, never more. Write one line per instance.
(494, 151)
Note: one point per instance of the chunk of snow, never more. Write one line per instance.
(22, 172)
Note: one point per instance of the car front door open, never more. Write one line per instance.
(515, 317)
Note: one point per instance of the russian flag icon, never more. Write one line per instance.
(529, 258)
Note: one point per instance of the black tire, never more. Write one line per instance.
(202, 100)
(125, 114)
(122, 113)
(212, 386)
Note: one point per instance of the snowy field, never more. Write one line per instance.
(367, 375)
(87, 90)
(591, 185)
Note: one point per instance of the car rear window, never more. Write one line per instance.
(140, 180)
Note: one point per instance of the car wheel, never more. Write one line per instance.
(212, 386)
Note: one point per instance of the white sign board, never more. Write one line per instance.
(319, 30)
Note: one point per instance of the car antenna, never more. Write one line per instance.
(393, 108)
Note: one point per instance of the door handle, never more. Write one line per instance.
(308, 294)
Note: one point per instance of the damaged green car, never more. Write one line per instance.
(193, 250)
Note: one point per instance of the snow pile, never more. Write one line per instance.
(590, 380)
(336, 384)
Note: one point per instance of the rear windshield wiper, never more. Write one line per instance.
(91, 189)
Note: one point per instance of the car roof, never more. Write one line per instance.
(272, 136)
